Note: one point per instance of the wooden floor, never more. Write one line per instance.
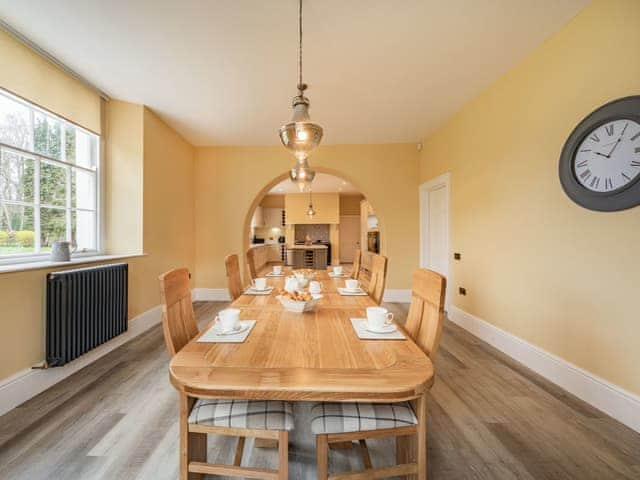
(490, 418)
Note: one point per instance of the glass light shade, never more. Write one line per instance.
(302, 174)
(300, 135)
(311, 212)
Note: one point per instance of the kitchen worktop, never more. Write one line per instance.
(306, 247)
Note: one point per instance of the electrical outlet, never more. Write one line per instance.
(457, 256)
(462, 290)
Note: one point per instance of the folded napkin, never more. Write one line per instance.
(360, 327)
(210, 336)
(251, 291)
(271, 274)
(343, 291)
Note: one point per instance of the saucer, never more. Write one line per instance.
(353, 290)
(388, 328)
(256, 289)
(241, 327)
(337, 275)
(274, 274)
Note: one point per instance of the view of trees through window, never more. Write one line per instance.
(48, 181)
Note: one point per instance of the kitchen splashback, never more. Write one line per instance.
(316, 232)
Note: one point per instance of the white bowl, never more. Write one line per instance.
(297, 306)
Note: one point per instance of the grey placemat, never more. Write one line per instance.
(343, 291)
(358, 325)
(210, 336)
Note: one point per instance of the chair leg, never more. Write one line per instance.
(364, 451)
(283, 454)
(421, 412)
(322, 456)
(193, 446)
(239, 451)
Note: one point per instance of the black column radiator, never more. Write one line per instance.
(85, 308)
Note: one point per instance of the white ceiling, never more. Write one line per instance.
(321, 183)
(224, 71)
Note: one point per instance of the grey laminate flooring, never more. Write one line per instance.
(489, 417)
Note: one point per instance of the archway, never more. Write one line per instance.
(373, 229)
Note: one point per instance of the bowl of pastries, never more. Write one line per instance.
(298, 301)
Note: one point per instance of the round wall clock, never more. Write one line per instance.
(600, 161)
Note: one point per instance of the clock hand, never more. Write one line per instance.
(618, 141)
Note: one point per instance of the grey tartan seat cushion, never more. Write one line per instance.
(253, 414)
(360, 416)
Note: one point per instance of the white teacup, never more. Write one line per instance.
(277, 269)
(291, 284)
(337, 270)
(228, 319)
(378, 317)
(260, 283)
(352, 284)
(315, 287)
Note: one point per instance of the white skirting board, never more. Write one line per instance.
(28, 383)
(620, 404)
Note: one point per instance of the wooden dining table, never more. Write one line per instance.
(312, 356)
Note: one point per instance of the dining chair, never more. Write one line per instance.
(251, 263)
(270, 420)
(355, 270)
(234, 282)
(345, 422)
(378, 277)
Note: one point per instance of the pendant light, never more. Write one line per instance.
(300, 136)
(310, 211)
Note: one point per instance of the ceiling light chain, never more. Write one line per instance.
(300, 135)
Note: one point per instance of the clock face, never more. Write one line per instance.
(608, 159)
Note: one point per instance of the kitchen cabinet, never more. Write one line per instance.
(273, 252)
(272, 217)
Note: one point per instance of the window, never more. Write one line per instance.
(49, 179)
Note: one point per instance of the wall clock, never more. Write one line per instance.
(600, 161)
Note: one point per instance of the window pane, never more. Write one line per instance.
(84, 149)
(83, 230)
(83, 189)
(47, 135)
(53, 184)
(16, 230)
(15, 124)
(16, 177)
(53, 226)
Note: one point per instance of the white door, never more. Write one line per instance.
(349, 237)
(434, 228)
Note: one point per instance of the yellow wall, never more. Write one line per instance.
(28, 75)
(227, 180)
(534, 263)
(123, 182)
(326, 205)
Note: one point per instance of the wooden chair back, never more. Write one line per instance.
(178, 320)
(357, 259)
(378, 277)
(234, 282)
(426, 313)
(251, 263)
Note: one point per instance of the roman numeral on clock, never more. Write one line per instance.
(637, 150)
(608, 183)
(609, 129)
(583, 163)
(595, 181)
(635, 163)
(585, 175)
(625, 176)
(595, 137)
(635, 137)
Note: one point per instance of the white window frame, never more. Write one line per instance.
(39, 158)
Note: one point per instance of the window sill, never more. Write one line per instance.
(46, 264)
